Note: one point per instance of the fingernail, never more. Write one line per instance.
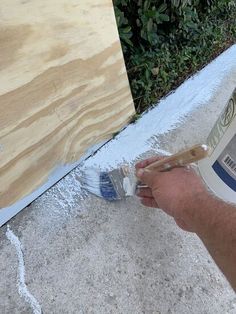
(139, 173)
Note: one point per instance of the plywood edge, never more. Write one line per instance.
(57, 174)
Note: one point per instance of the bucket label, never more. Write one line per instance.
(223, 123)
(225, 165)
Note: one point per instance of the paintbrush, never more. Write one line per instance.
(120, 183)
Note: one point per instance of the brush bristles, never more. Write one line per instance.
(91, 181)
(107, 188)
(99, 183)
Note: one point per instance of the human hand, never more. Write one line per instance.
(179, 192)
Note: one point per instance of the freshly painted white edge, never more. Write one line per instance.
(212, 86)
(7, 213)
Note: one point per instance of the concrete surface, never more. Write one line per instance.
(84, 255)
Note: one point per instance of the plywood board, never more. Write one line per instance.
(63, 89)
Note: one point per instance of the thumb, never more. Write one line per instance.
(146, 176)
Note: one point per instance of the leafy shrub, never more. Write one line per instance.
(165, 41)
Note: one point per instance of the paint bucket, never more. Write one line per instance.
(219, 169)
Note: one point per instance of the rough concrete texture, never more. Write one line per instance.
(84, 255)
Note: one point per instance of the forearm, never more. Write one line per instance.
(182, 194)
(215, 224)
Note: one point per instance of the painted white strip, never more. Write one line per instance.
(22, 288)
(217, 78)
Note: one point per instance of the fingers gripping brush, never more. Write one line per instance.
(119, 183)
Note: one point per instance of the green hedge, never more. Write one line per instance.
(166, 41)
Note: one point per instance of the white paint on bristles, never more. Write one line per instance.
(128, 186)
(22, 287)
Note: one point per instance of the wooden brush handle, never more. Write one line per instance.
(180, 159)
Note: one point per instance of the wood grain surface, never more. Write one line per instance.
(63, 87)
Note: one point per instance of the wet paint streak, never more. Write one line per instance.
(22, 287)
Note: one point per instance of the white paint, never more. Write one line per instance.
(171, 112)
(22, 288)
(129, 187)
(68, 192)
